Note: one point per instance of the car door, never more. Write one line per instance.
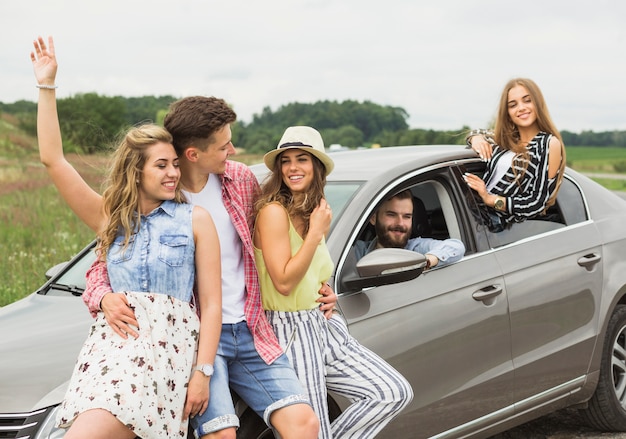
(446, 331)
(553, 276)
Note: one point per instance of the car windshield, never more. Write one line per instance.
(73, 280)
(338, 194)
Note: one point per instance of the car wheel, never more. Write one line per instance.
(253, 427)
(606, 407)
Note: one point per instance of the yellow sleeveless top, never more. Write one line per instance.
(305, 294)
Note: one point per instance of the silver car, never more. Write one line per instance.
(532, 319)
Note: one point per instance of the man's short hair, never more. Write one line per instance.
(402, 195)
(194, 120)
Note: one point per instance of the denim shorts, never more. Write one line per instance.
(264, 387)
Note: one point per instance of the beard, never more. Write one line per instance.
(387, 240)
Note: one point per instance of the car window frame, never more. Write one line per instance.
(445, 178)
(570, 203)
(570, 194)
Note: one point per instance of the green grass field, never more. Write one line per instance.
(603, 160)
(38, 230)
(598, 161)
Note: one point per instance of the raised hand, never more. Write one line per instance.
(44, 61)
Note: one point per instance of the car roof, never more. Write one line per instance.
(367, 164)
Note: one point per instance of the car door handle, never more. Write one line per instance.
(487, 293)
(588, 261)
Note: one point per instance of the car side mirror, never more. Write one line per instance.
(383, 267)
(53, 271)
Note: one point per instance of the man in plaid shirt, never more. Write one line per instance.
(200, 127)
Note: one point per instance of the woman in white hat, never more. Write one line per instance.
(293, 261)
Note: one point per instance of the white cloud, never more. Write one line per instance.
(444, 62)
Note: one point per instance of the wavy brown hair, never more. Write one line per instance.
(121, 196)
(507, 135)
(274, 190)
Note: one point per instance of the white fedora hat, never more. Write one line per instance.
(302, 137)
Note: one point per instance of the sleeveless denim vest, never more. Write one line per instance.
(159, 257)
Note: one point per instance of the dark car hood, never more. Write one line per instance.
(40, 337)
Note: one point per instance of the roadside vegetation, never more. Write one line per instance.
(38, 230)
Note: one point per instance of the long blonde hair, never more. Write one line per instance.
(275, 190)
(506, 133)
(121, 196)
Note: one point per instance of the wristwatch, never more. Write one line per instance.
(499, 204)
(206, 369)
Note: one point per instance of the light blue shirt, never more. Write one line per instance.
(447, 250)
(159, 257)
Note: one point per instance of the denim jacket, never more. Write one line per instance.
(159, 257)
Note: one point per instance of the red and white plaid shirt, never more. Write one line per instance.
(239, 190)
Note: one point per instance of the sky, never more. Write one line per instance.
(445, 62)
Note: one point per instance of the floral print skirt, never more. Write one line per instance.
(143, 381)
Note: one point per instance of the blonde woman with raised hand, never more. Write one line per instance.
(153, 243)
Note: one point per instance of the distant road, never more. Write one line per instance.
(600, 175)
(614, 176)
(564, 424)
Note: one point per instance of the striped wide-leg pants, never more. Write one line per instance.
(325, 356)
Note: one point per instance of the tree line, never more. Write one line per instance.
(91, 122)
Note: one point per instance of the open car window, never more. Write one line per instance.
(569, 209)
(435, 214)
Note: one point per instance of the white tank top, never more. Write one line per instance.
(233, 274)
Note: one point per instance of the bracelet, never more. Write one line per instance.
(47, 87)
(486, 134)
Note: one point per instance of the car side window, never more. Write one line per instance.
(569, 209)
(433, 213)
(437, 213)
(570, 202)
